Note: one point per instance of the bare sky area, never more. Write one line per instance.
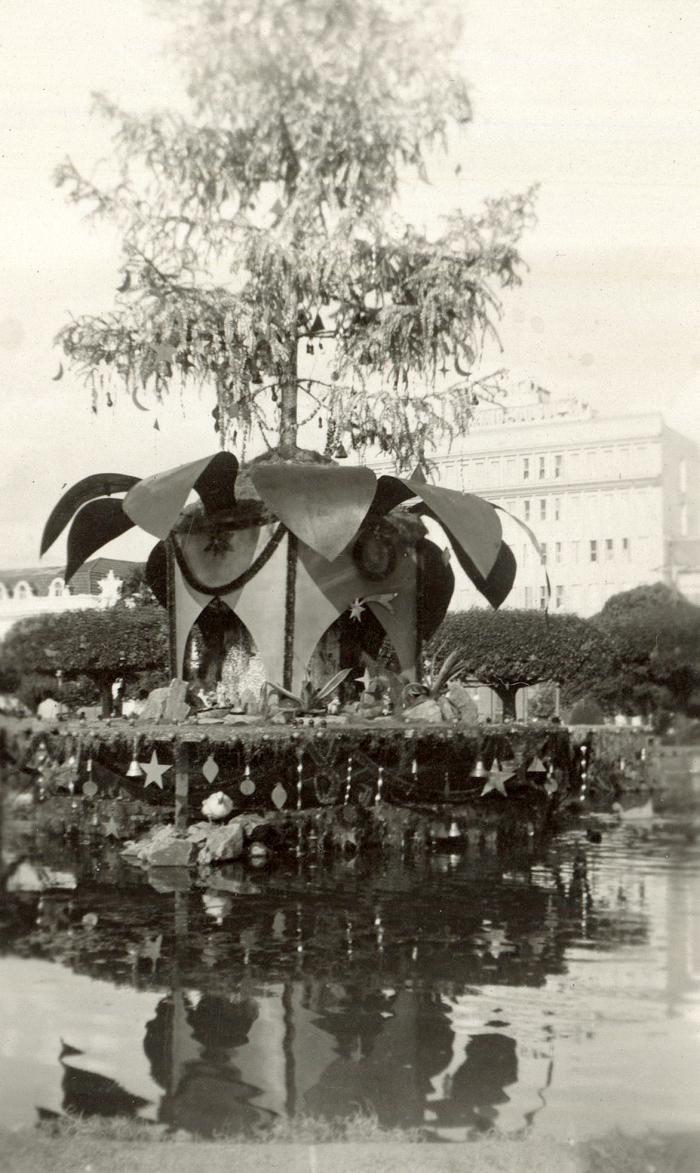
(598, 102)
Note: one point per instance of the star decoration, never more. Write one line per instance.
(496, 782)
(357, 608)
(111, 828)
(153, 771)
(365, 680)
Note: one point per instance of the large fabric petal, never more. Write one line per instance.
(97, 523)
(535, 543)
(155, 502)
(472, 522)
(322, 505)
(100, 484)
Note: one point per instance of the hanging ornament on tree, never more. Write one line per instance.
(247, 786)
(89, 787)
(279, 796)
(210, 770)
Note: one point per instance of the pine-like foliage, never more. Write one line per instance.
(266, 223)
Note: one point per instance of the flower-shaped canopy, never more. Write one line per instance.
(321, 509)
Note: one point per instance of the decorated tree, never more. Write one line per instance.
(100, 645)
(654, 636)
(264, 253)
(512, 649)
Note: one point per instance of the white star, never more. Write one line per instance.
(164, 351)
(356, 609)
(496, 781)
(365, 680)
(153, 771)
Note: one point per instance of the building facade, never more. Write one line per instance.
(42, 590)
(614, 501)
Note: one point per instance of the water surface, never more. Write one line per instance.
(557, 991)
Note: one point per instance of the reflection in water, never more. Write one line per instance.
(436, 993)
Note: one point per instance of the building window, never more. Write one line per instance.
(526, 509)
(22, 590)
(494, 472)
(543, 508)
(510, 506)
(526, 468)
(558, 466)
(574, 551)
(609, 550)
(542, 469)
(510, 469)
(526, 554)
(557, 551)
(593, 550)
(557, 508)
(543, 553)
(559, 596)
(543, 598)
(56, 588)
(528, 596)
(626, 548)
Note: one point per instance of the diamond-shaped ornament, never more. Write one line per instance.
(89, 788)
(247, 786)
(279, 795)
(210, 770)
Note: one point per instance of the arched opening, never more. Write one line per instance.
(56, 588)
(22, 590)
(3, 591)
(221, 657)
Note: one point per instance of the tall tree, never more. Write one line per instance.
(511, 649)
(265, 226)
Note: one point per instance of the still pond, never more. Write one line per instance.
(557, 991)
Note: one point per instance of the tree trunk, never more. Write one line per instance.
(289, 388)
(507, 698)
(288, 417)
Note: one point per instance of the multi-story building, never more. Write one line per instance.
(614, 500)
(39, 590)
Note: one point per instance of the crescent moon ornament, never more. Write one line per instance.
(59, 373)
(135, 400)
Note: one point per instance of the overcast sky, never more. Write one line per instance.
(596, 100)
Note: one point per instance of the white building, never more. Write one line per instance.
(42, 590)
(613, 500)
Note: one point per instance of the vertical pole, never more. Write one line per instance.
(182, 786)
(174, 667)
(289, 611)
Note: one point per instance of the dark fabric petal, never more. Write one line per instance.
(100, 484)
(156, 573)
(217, 484)
(324, 506)
(438, 587)
(97, 523)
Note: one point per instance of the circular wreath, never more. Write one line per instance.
(375, 552)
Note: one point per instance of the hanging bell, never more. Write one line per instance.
(134, 770)
(480, 772)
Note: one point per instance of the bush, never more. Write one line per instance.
(587, 711)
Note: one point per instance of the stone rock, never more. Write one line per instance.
(281, 717)
(178, 853)
(466, 707)
(241, 719)
(176, 706)
(338, 719)
(154, 707)
(222, 844)
(425, 712)
(449, 711)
